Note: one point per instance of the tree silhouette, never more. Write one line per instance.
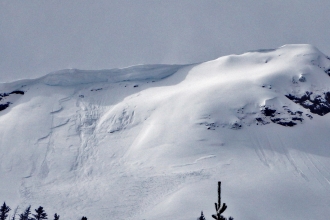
(220, 208)
(4, 209)
(15, 213)
(25, 215)
(56, 216)
(40, 213)
(202, 216)
(84, 218)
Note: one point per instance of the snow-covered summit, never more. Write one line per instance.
(151, 141)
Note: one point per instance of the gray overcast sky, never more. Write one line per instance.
(38, 36)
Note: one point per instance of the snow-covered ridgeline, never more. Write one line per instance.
(151, 141)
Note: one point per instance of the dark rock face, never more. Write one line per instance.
(236, 126)
(3, 95)
(261, 121)
(327, 72)
(93, 90)
(317, 104)
(284, 123)
(4, 106)
(268, 112)
(17, 92)
(302, 79)
(284, 117)
(211, 126)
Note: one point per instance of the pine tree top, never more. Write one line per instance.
(4, 209)
(56, 216)
(40, 213)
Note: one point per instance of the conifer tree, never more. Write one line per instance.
(15, 213)
(4, 209)
(220, 208)
(202, 216)
(25, 215)
(84, 218)
(56, 216)
(40, 213)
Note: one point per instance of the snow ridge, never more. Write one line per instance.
(70, 77)
(151, 141)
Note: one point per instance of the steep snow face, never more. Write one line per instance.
(151, 142)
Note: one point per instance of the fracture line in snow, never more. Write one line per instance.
(196, 161)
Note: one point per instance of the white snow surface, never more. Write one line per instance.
(151, 142)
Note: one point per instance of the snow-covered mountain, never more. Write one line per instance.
(151, 141)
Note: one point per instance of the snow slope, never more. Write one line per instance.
(151, 142)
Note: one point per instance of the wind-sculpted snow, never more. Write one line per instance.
(151, 142)
(72, 77)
